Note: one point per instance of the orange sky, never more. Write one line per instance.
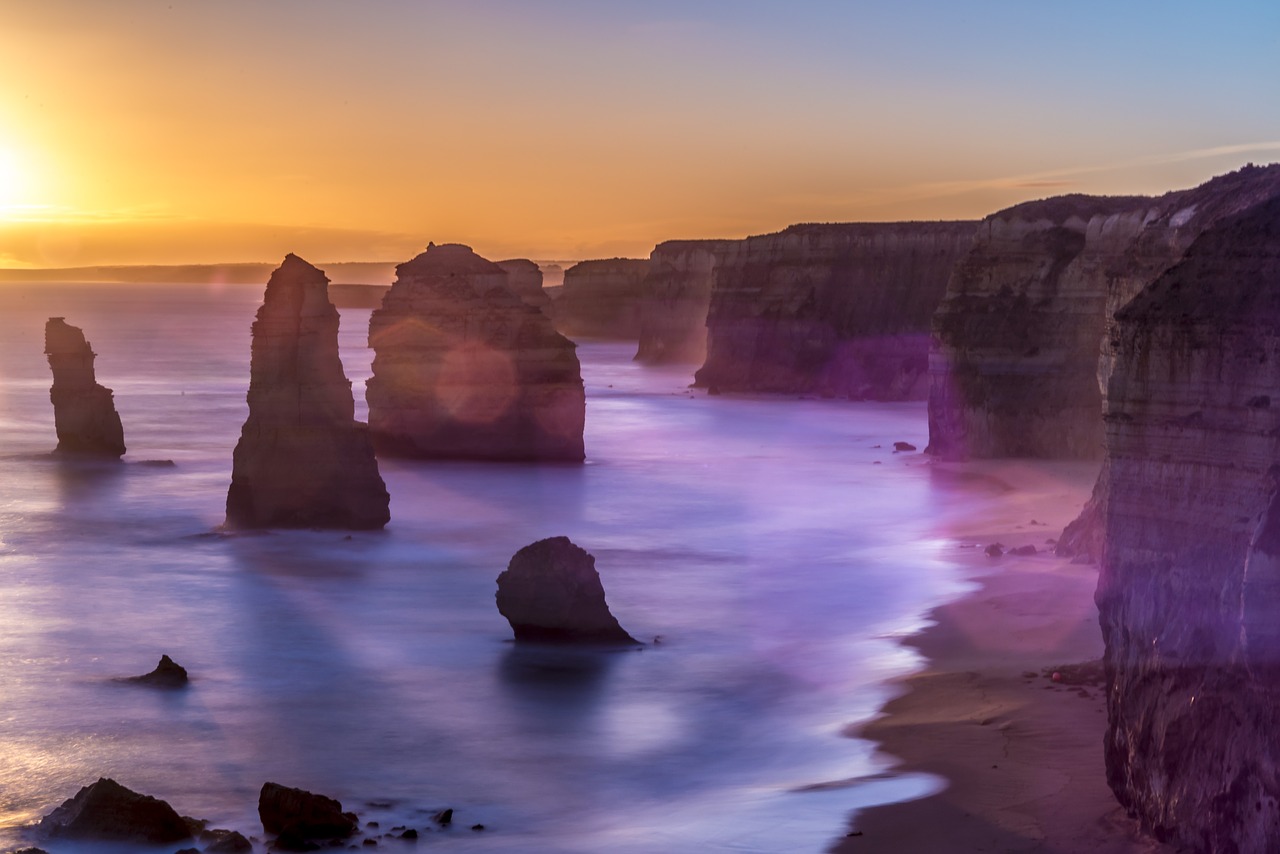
(138, 131)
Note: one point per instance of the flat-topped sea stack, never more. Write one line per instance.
(525, 278)
(839, 310)
(84, 412)
(675, 299)
(466, 369)
(601, 299)
(1189, 588)
(1015, 370)
(302, 461)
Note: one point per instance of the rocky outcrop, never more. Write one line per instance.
(465, 369)
(551, 592)
(601, 299)
(525, 278)
(676, 295)
(107, 811)
(168, 674)
(302, 461)
(1189, 586)
(84, 413)
(1015, 369)
(838, 310)
(298, 817)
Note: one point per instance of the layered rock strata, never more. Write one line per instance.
(465, 369)
(84, 412)
(525, 278)
(1015, 370)
(551, 592)
(601, 299)
(1189, 586)
(302, 461)
(838, 310)
(676, 296)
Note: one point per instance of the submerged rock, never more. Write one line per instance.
(298, 816)
(551, 592)
(302, 461)
(1189, 584)
(219, 841)
(465, 369)
(84, 412)
(107, 811)
(168, 674)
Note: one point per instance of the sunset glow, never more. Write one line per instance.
(567, 130)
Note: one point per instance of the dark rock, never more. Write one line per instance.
(107, 811)
(551, 592)
(837, 309)
(1023, 551)
(168, 674)
(296, 815)
(1189, 580)
(84, 412)
(477, 827)
(443, 817)
(302, 461)
(409, 834)
(187, 851)
(225, 842)
(994, 550)
(465, 369)
(30, 851)
(903, 446)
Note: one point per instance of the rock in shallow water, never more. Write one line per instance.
(84, 412)
(168, 674)
(108, 811)
(551, 592)
(296, 815)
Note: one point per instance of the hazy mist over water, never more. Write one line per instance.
(756, 537)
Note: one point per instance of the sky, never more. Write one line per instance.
(145, 131)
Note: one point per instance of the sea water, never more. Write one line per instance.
(771, 552)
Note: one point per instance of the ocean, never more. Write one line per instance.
(776, 549)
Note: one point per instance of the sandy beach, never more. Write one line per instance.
(1021, 754)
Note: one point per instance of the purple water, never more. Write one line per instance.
(757, 537)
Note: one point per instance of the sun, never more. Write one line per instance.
(13, 180)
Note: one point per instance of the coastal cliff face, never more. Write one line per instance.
(1189, 587)
(525, 278)
(1017, 366)
(675, 301)
(465, 369)
(601, 299)
(84, 412)
(303, 460)
(838, 310)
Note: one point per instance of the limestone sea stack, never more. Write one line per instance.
(303, 461)
(84, 412)
(601, 299)
(1015, 369)
(675, 297)
(1189, 588)
(551, 592)
(838, 309)
(465, 369)
(525, 278)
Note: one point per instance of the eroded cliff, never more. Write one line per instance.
(675, 300)
(84, 412)
(525, 278)
(1189, 586)
(465, 369)
(601, 299)
(1016, 368)
(839, 310)
(303, 460)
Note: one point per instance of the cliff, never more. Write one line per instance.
(676, 296)
(1189, 586)
(601, 299)
(1015, 368)
(302, 460)
(838, 310)
(465, 369)
(84, 412)
(525, 278)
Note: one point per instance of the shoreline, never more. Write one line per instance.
(1021, 755)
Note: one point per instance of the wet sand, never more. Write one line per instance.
(1020, 753)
